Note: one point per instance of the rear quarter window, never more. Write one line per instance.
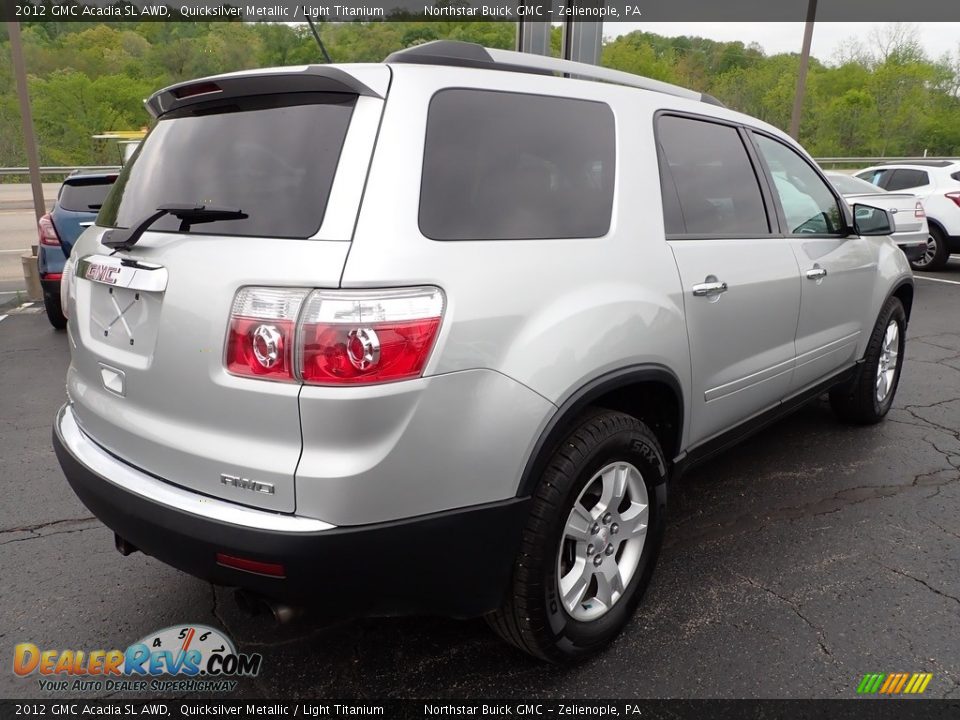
(512, 166)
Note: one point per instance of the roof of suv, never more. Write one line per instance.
(450, 53)
(463, 54)
(921, 163)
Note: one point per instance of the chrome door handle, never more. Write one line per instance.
(709, 289)
(817, 273)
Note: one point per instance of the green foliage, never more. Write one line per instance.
(87, 78)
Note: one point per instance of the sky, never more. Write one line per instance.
(935, 38)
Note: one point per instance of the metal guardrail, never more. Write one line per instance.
(59, 169)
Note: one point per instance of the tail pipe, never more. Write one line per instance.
(254, 605)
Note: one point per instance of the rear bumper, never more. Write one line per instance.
(455, 563)
(913, 250)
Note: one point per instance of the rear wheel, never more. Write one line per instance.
(867, 399)
(591, 542)
(51, 303)
(935, 256)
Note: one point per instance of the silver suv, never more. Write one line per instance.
(433, 335)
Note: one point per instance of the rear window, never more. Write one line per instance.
(86, 195)
(272, 157)
(848, 185)
(501, 166)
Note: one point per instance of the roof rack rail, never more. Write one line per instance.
(464, 54)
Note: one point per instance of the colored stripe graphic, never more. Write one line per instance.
(894, 683)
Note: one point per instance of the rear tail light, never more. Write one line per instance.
(333, 337)
(363, 336)
(68, 284)
(47, 232)
(955, 196)
(261, 333)
(919, 213)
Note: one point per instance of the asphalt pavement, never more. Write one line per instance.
(808, 556)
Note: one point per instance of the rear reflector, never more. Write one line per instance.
(251, 566)
(51, 276)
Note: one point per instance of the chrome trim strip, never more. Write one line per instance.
(122, 272)
(124, 476)
(831, 347)
(743, 383)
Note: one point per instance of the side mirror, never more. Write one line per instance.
(869, 220)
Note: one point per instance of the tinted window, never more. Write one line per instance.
(848, 185)
(79, 196)
(955, 176)
(808, 204)
(903, 179)
(714, 182)
(875, 177)
(500, 166)
(271, 159)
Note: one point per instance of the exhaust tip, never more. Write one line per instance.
(123, 547)
(254, 605)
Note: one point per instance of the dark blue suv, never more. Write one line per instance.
(78, 202)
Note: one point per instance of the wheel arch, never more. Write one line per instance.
(651, 393)
(904, 293)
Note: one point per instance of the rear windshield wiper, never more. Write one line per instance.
(126, 238)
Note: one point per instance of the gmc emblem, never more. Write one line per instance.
(102, 273)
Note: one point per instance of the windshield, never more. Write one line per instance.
(273, 157)
(848, 185)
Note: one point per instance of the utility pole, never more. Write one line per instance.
(802, 75)
(26, 118)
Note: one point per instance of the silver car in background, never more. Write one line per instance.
(911, 231)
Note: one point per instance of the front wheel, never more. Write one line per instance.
(868, 397)
(591, 541)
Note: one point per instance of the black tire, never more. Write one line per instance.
(856, 402)
(51, 303)
(532, 617)
(938, 259)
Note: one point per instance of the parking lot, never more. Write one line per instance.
(794, 564)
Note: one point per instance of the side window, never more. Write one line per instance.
(955, 176)
(510, 166)
(808, 203)
(903, 179)
(714, 186)
(875, 177)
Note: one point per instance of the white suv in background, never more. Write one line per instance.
(937, 184)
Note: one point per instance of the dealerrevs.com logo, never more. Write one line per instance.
(188, 658)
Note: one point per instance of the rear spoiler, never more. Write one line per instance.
(312, 78)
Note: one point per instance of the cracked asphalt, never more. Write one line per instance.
(794, 564)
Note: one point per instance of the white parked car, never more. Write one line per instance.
(937, 184)
(911, 231)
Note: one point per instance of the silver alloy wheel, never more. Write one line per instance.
(889, 360)
(928, 254)
(602, 541)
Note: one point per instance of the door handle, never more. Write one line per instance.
(817, 273)
(709, 289)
